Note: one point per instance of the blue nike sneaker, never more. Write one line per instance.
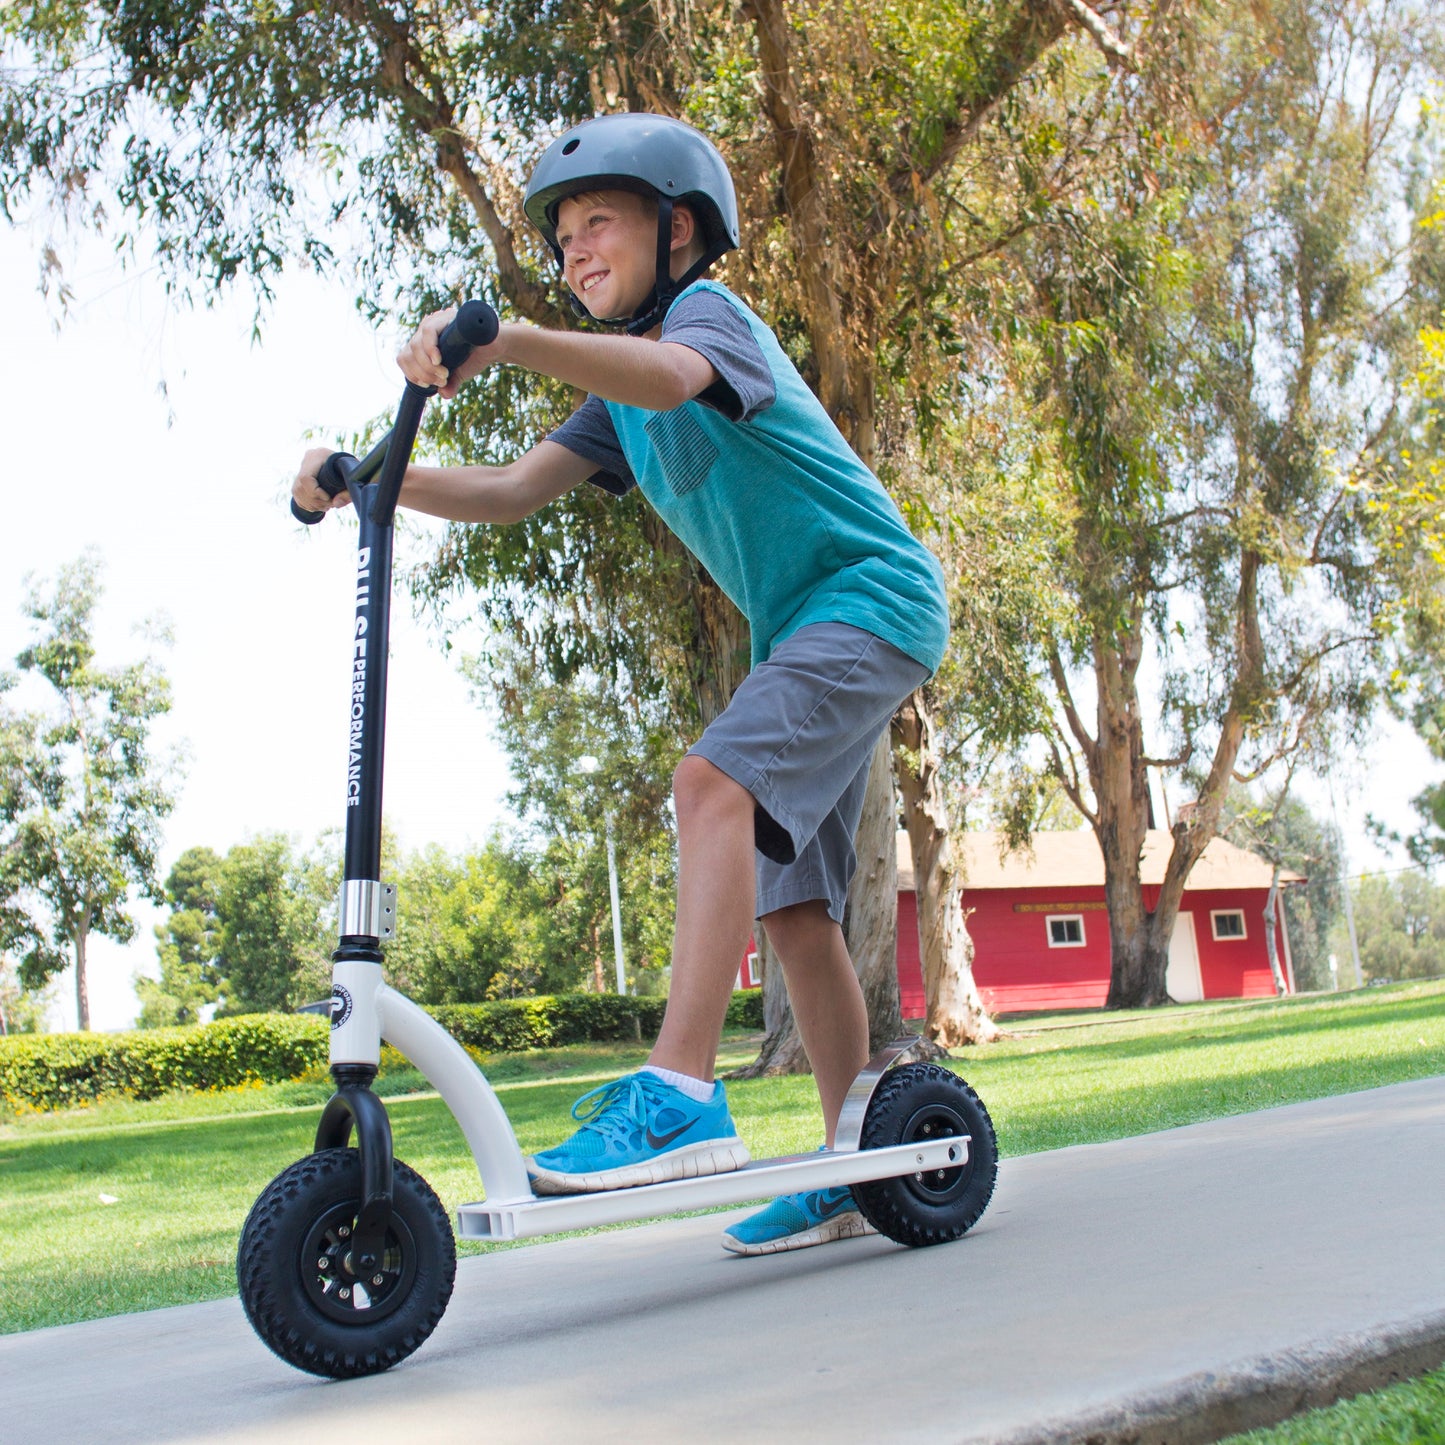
(796, 1221)
(640, 1130)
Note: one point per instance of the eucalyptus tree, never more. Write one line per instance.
(1285, 832)
(1220, 347)
(1415, 507)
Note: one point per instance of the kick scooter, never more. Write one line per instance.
(347, 1260)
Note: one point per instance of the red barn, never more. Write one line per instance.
(1041, 931)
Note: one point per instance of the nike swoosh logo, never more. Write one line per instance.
(833, 1206)
(661, 1141)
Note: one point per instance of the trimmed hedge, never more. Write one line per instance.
(57, 1071)
(54, 1071)
(745, 1010)
(514, 1024)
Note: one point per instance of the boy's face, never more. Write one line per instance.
(608, 241)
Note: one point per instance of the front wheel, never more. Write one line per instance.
(295, 1269)
(918, 1102)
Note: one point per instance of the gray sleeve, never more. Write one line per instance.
(717, 330)
(589, 434)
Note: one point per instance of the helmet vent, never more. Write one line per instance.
(571, 146)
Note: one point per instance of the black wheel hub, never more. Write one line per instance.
(937, 1121)
(336, 1284)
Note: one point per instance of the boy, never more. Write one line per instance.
(696, 404)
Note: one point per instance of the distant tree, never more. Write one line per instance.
(1284, 831)
(1400, 925)
(21, 1011)
(83, 797)
(549, 728)
(276, 915)
(187, 944)
(1415, 506)
(467, 927)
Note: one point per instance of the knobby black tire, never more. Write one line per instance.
(913, 1103)
(284, 1294)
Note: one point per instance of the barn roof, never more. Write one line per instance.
(1073, 860)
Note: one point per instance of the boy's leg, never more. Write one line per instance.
(716, 885)
(832, 1019)
(648, 1128)
(827, 999)
(802, 903)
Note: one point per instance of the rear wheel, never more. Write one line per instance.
(307, 1297)
(913, 1104)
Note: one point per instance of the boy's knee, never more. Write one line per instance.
(701, 789)
(801, 929)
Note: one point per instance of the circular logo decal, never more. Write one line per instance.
(340, 1005)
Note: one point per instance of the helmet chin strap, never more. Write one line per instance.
(662, 295)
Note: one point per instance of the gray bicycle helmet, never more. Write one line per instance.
(653, 154)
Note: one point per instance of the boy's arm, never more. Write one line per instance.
(654, 375)
(467, 494)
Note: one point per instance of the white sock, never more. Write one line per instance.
(684, 1083)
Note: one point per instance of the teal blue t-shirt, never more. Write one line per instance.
(775, 504)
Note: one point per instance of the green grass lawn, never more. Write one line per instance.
(1409, 1414)
(128, 1206)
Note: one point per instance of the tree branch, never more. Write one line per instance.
(1118, 54)
(1066, 701)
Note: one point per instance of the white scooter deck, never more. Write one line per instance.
(530, 1217)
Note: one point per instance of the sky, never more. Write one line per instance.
(165, 439)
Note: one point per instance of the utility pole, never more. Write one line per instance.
(588, 765)
(1345, 893)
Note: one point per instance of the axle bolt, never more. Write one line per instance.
(344, 1231)
(378, 1280)
(344, 1292)
(323, 1263)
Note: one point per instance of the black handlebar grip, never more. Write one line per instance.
(475, 324)
(331, 479)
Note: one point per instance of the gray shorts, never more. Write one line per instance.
(799, 736)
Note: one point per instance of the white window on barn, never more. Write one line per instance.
(1226, 923)
(1066, 930)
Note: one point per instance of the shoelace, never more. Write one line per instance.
(612, 1113)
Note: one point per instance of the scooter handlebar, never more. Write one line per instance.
(331, 479)
(475, 324)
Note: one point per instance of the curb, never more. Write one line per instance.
(1209, 1406)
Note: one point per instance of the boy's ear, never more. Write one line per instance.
(684, 225)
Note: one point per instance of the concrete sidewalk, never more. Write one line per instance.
(1174, 1287)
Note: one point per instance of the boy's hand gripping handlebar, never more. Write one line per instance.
(475, 324)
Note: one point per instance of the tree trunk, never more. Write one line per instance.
(1137, 964)
(1271, 941)
(82, 987)
(599, 979)
(870, 921)
(956, 1012)
(1118, 772)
